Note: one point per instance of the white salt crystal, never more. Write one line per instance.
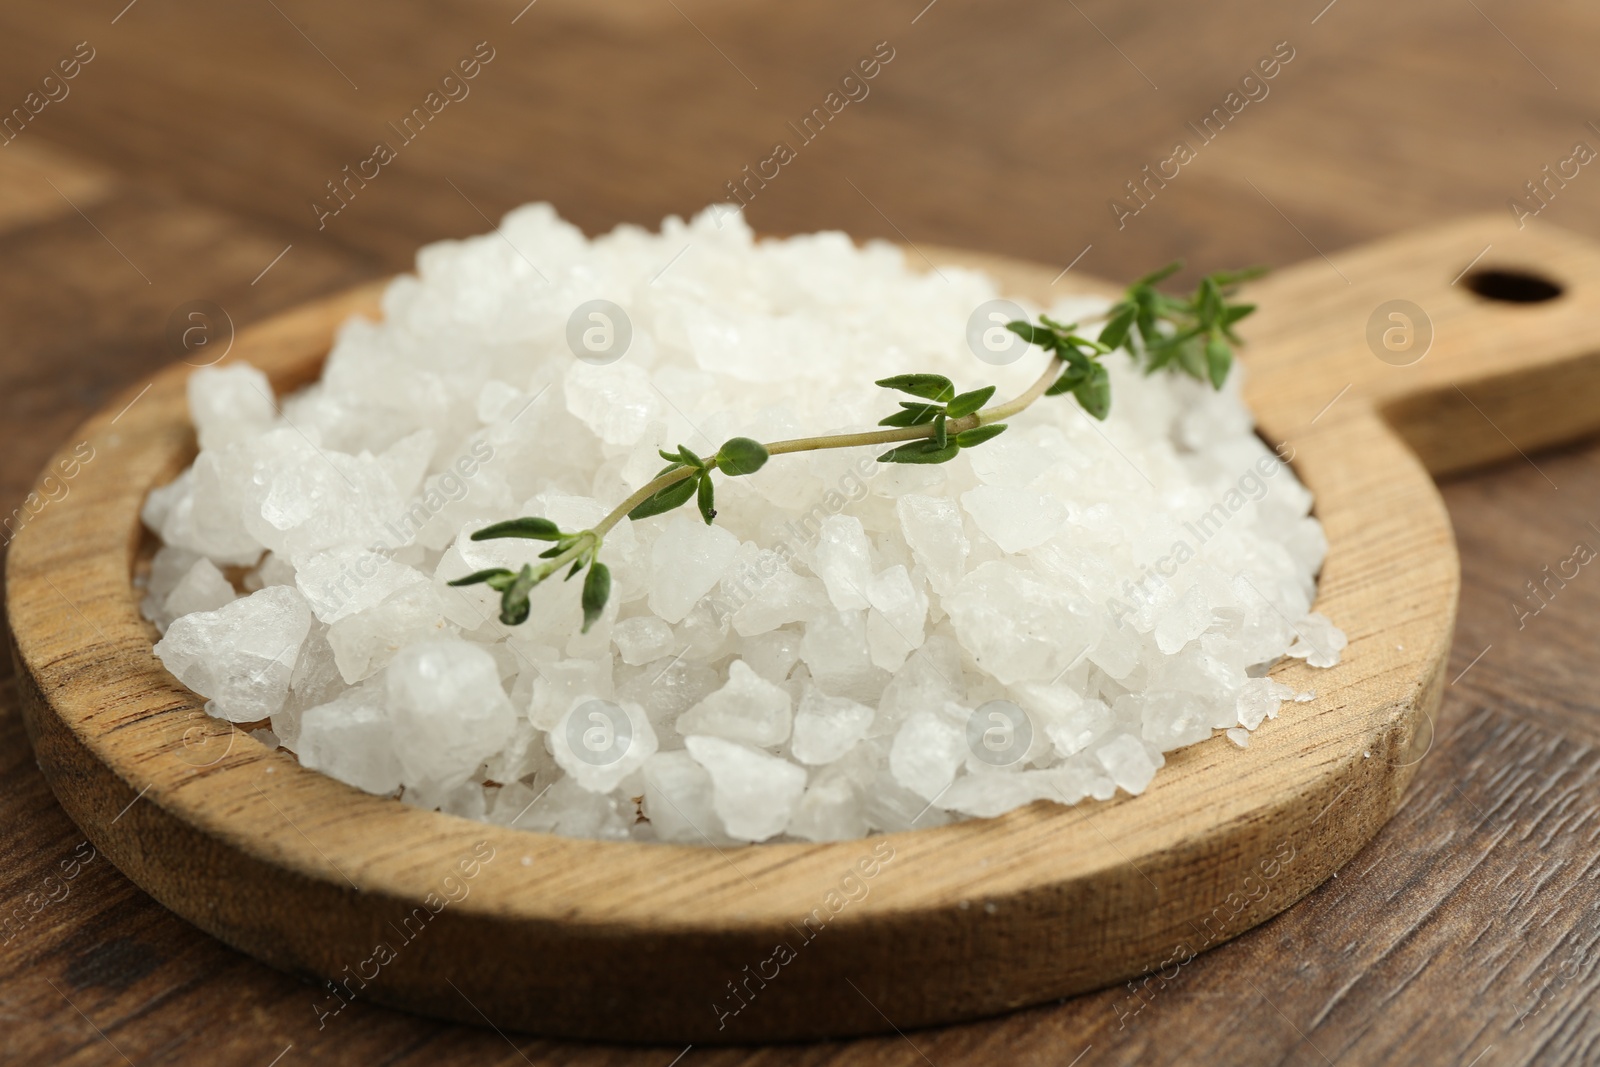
(929, 679)
(202, 588)
(342, 581)
(754, 794)
(932, 527)
(894, 625)
(559, 686)
(448, 709)
(242, 655)
(665, 688)
(1183, 621)
(1068, 722)
(990, 793)
(1128, 762)
(687, 559)
(1259, 699)
(891, 807)
(1015, 519)
(774, 654)
(274, 570)
(926, 753)
(600, 742)
(1318, 641)
(167, 568)
(748, 708)
(229, 404)
(1018, 628)
(349, 738)
(825, 727)
(616, 401)
(1172, 719)
(831, 809)
(210, 517)
(364, 642)
(159, 504)
(782, 599)
(568, 809)
(834, 649)
(843, 561)
(678, 800)
(494, 398)
(642, 639)
(1239, 736)
(1306, 697)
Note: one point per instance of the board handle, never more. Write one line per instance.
(1474, 340)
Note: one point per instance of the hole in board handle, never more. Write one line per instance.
(1512, 286)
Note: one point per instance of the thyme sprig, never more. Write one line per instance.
(1193, 335)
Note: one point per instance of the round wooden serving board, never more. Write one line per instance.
(643, 942)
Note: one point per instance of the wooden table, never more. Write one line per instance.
(182, 164)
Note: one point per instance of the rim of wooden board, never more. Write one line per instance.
(377, 901)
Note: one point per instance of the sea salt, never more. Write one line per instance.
(850, 648)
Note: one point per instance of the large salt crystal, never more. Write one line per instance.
(599, 743)
(773, 655)
(1260, 698)
(891, 807)
(665, 688)
(1018, 628)
(831, 809)
(349, 738)
(561, 685)
(616, 401)
(1172, 719)
(687, 559)
(202, 588)
(989, 793)
(894, 625)
(754, 794)
(1183, 621)
(229, 404)
(843, 561)
(930, 679)
(1318, 641)
(1015, 519)
(303, 498)
(932, 527)
(835, 650)
(783, 598)
(678, 800)
(748, 708)
(158, 507)
(342, 581)
(568, 809)
(365, 641)
(448, 709)
(242, 655)
(1128, 762)
(642, 639)
(926, 753)
(209, 517)
(825, 727)
(1062, 717)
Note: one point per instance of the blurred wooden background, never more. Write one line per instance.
(182, 163)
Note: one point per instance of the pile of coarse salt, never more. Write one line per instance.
(851, 648)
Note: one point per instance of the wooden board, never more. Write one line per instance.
(556, 935)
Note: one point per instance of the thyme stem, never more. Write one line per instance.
(814, 444)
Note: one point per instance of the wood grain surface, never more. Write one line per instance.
(183, 163)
